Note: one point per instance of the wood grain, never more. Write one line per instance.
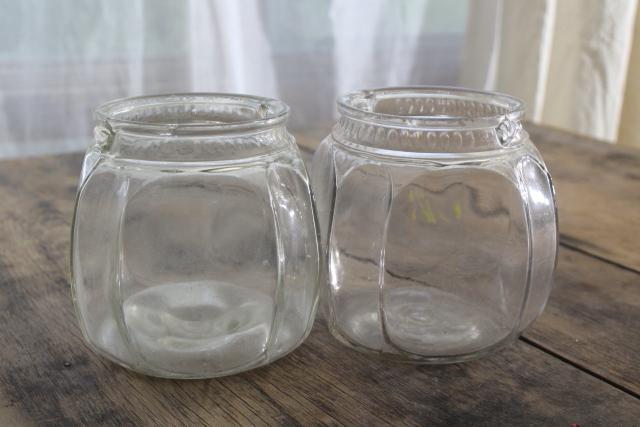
(49, 377)
(598, 188)
(593, 319)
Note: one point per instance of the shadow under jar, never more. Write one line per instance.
(438, 221)
(194, 244)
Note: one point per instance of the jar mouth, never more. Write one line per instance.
(192, 112)
(431, 107)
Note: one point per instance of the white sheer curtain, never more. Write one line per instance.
(228, 48)
(568, 59)
(379, 48)
(58, 60)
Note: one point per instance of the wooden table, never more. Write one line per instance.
(579, 363)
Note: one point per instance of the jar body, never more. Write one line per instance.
(193, 269)
(432, 259)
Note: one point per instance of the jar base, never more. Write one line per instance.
(420, 322)
(414, 359)
(201, 329)
(138, 369)
(175, 376)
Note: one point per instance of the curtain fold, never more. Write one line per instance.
(228, 48)
(629, 129)
(375, 45)
(567, 59)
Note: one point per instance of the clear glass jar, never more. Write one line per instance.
(438, 220)
(194, 248)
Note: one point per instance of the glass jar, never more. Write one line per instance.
(194, 244)
(438, 220)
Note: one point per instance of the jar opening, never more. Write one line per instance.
(199, 112)
(191, 127)
(429, 122)
(431, 107)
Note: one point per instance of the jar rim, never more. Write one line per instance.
(260, 112)
(494, 107)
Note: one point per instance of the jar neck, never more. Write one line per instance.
(423, 121)
(203, 148)
(191, 127)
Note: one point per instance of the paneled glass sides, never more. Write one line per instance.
(439, 223)
(195, 250)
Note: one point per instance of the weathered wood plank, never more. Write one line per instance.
(598, 188)
(48, 376)
(593, 318)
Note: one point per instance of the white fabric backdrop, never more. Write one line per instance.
(59, 60)
(568, 59)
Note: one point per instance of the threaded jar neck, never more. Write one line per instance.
(192, 113)
(421, 121)
(191, 127)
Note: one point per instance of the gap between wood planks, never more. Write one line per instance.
(576, 248)
(578, 366)
(567, 360)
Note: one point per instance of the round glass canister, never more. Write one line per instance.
(438, 222)
(194, 246)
